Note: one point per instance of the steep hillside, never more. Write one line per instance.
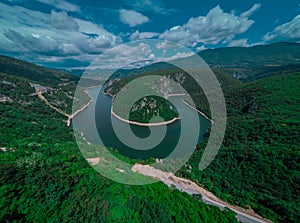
(258, 163)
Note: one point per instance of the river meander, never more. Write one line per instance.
(96, 120)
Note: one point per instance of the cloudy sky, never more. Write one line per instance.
(70, 34)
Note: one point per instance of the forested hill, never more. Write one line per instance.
(258, 162)
(44, 177)
(33, 72)
(251, 63)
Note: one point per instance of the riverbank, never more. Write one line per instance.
(140, 123)
(78, 111)
(200, 112)
(70, 117)
(144, 124)
(159, 123)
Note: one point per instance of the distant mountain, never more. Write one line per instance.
(251, 63)
(19, 68)
(243, 63)
(266, 55)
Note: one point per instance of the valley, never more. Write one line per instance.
(44, 175)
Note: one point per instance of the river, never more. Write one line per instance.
(84, 122)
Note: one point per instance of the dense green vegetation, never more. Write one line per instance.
(151, 106)
(258, 164)
(60, 99)
(44, 177)
(144, 109)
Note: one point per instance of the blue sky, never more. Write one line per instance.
(70, 34)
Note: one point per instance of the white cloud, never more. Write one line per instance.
(156, 6)
(177, 56)
(61, 4)
(132, 18)
(142, 35)
(61, 20)
(163, 45)
(137, 55)
(16, 1)
(217, 26)
(33, 42)
(289, 31)
(200, 48)
(33, 34)
(248, 13)
(124, 55)
(239, 42)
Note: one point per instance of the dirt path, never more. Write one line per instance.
(41, 96)
(192, 188)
